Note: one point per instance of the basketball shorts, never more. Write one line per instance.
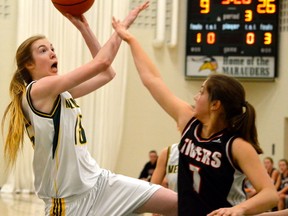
(112, 195)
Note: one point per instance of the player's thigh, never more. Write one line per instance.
(122, 195)
(163, 201)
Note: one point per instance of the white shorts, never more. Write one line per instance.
(112, 195)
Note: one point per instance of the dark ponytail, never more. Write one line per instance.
(239, 114)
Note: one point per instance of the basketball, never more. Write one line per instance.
(74, 7)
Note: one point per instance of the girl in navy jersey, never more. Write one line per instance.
(219, 145)
(67, 178)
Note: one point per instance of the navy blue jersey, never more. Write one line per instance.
(207, 177)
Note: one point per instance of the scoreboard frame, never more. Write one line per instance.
(235, 37)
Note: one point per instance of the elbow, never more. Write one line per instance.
(146, 84)
(111, 74)
(149, 82)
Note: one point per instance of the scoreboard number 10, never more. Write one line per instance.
(249, 39)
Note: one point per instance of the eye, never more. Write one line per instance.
(52, 49)
(201, 91)
(43, 50)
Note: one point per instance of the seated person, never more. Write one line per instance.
(282, 183)
(149, 167)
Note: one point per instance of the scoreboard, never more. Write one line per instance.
(234, 37)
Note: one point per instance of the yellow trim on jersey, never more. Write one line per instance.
(30, 133)
(57, 164)
(58, 207)
(55, 187)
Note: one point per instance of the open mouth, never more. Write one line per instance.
(54, 65)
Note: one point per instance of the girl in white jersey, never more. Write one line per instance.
(67, 178)
(217, 133)
(166, 171)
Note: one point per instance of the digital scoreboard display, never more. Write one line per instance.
(234, 37)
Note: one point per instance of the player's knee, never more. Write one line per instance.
(171, 206)
(173, 211)
(163, 201)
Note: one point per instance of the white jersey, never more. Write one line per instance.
(62, 164)
(172, 166)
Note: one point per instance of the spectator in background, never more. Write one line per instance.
(282, 183)
(283, 168)
(271, 170)
(149, 167)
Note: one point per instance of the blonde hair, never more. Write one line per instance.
(17, 90)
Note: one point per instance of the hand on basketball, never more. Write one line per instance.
(79, 21)
(233, 211)
(134, 13)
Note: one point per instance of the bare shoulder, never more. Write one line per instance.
(163, 154)
(42, 96)
(244, 153)
(239, 144)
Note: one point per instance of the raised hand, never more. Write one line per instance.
(134, 13)
(79, 21)
(121, 29)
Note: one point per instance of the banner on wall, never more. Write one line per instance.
(244, 67)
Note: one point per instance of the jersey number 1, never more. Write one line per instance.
(196, 177)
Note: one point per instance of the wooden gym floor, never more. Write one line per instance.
(12, 204)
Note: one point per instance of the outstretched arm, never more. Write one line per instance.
(94, 47)
(179, 110)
